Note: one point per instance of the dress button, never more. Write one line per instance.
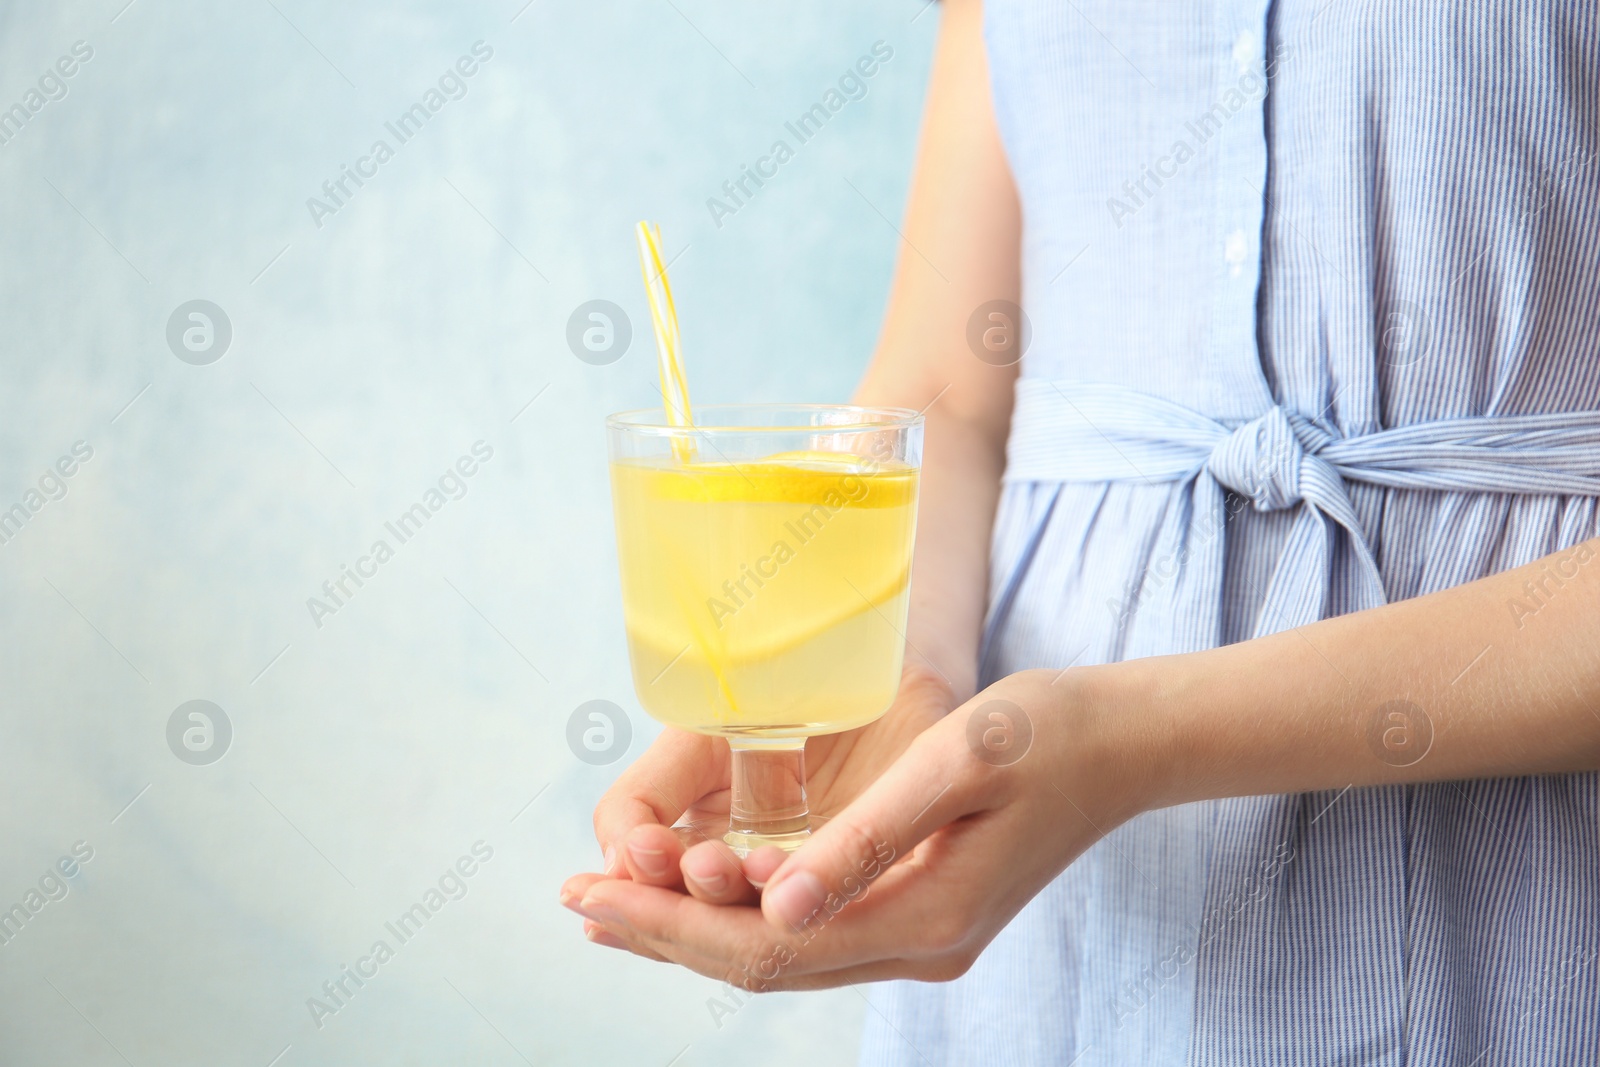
(1235, 250)
(1245, 51)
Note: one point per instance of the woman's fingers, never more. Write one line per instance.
(709, 870)
(841, 899)
(675, 772)
(713, 874)
(650, 854)
(908, 911)
(922, 791)
(597, 933)
(878, 971)
(761, 864)
(911, 879)
(573, 889)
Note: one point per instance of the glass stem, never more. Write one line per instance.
(768, 803)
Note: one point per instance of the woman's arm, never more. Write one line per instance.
(963, 233)
(1490, 679)
(1493, 678)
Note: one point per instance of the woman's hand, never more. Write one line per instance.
(687, 775)
(918, 873)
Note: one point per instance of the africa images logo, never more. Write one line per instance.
(52, 87)
(452, 85)
(852, 85)
(340, 590)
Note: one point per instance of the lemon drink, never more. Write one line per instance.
(767, 597)
(765, 557)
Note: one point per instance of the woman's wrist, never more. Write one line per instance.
(1112, 716)
(1179, 728)
(920, 678)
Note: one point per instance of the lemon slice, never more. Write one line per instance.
(713, 647)
(832, 479)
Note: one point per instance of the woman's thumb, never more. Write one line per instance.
(917, 794)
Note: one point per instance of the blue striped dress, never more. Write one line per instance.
(1315, 296)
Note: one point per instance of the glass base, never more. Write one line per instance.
(767, 800)
(744, 843)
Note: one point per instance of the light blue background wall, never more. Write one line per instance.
(370, 753)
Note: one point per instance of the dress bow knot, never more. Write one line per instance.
(1264, 460)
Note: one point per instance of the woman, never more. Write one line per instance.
(1279, 549)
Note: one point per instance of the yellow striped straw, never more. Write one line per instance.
(664, 316)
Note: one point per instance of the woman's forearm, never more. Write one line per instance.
(960, 251)
(1495, 678)
(949, 589)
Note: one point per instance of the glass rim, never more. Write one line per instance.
(652, 421)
